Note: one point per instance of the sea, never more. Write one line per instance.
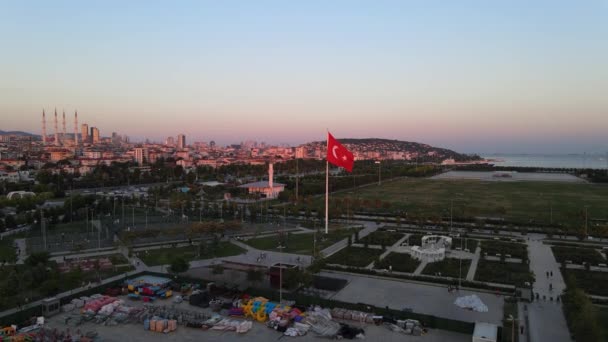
(568, 161)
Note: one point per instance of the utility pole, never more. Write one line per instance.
(297, 179)
(43, 228)
(586, 220)
(71, 207)
(451, 209)
(123, 213)
(146, 210)
(87, 220)
(460, 267)
(379, 172)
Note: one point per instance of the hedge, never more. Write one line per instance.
(428, 279)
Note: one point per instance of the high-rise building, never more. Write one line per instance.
(170, 141)
(300, 152)
(84, 132)
(181, 141)
(94, 135)
(141, 155)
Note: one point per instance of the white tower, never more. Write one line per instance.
(76, 128)
(56, 130)
(43, 128)
(63, 135)
(270, 177)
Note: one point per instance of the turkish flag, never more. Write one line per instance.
(339, 155)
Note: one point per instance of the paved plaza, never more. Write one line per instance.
(421, 298)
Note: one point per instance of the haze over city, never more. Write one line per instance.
(474, 76)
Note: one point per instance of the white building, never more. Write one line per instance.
(267, 189)
(141, 155)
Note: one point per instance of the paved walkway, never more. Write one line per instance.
(336, 247)
(546, 318)
(422, 298)
(474, 262)
(394, 247)
(420, 268)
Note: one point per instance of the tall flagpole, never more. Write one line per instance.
(327, 187)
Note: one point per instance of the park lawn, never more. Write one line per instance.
(503, 273)
(300, 243)
(493, 247)
(7, 250)
(380, 237)
(470, 244)
(448, 267)
(354, 256)
(577, 255)
(414, 240)
(164, 256)
(401, 262)
(592, 282)
(513, 201)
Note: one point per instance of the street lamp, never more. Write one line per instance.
(512, 320)
(379, 172)
(586, 220)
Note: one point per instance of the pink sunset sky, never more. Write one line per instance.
(473, 76)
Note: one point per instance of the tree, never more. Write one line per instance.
(179, 265)
(39, 258)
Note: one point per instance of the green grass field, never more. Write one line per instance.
(300, 243)
(514, 201)
(503, 273)
(577, 255)
(448, 267)
(592, 282)
(354, 256)
(7, 251)
(493, 247)
(400, 262)
(382, 237)
(163, 256)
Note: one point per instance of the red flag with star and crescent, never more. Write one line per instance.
(339, 155)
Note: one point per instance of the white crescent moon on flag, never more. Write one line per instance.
(333, 151)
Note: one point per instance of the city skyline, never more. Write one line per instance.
(474, 77)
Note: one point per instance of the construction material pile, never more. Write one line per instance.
(471, 302)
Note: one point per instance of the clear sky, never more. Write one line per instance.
(475, 76)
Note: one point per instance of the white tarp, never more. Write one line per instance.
(471, 302)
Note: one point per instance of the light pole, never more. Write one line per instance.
(512, 320)
(586, 220)
(379, 172)
(451, 209)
